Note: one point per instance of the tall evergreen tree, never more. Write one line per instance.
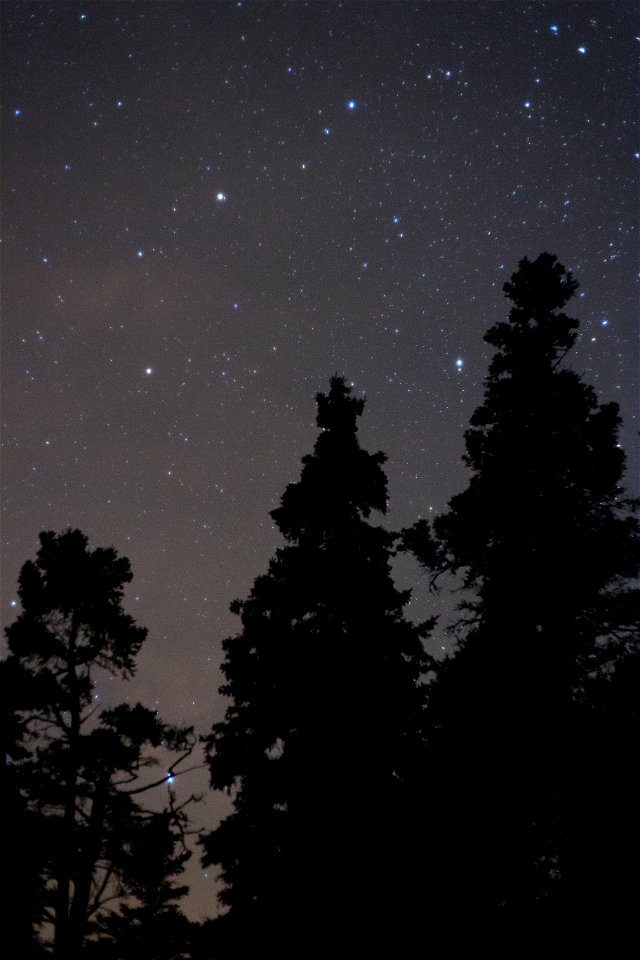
(321, 742)
(76, 773)
(546, 546)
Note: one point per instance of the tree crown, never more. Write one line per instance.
(340, 482)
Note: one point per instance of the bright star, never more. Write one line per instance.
(604, 322)
(140, 253)
(582, 49)
(83, 16)
(527, 104)
(118, 103)
(221, 197)
(351, 105)
(149, 371)
(17, 112)
(13, 603)
(326, 131)
(459, 363)
(553, 28)
(365, 265)
(396, 219)
(45, 259)
(170, 778)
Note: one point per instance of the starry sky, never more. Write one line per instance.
(209, 208)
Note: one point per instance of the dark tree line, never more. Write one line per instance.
(374, 806)
(380, 799)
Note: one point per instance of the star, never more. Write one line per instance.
(351, 105)
(221, 197)
(459, 363)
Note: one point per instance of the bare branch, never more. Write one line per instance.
(172, 773)
(96, 901)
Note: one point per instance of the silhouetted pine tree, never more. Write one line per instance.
(546, 545)
(321, 742)
(76, 772)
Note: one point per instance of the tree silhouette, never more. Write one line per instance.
(154, 928)
(546, 546)
(321, 743)
(76, 772)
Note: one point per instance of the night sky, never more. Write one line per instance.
(209, 208)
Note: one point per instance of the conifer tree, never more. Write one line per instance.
(76, 773)
(546, 546)
(321, 743)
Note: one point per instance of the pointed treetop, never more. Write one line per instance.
(538, 290)
(339, 410)
(340, 482)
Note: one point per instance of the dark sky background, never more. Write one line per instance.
(209, 208)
